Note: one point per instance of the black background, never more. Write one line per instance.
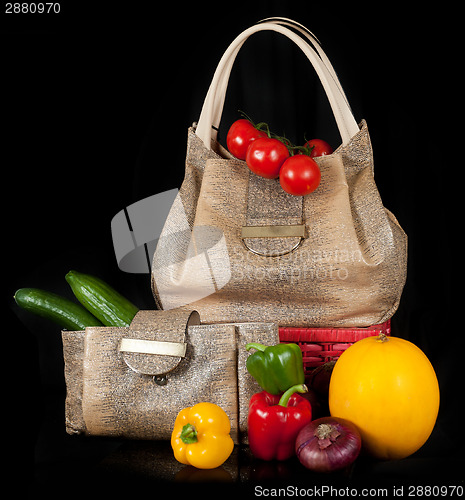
(96, 101)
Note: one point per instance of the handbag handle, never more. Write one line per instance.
(341, 109)
(333, 80)
(316, 45)
(345, 121)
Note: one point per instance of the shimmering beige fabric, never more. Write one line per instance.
(349, 270)
(114, 393)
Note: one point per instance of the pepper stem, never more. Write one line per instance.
(286, 396)
(254, 345)
(189, 434)
(382, 338)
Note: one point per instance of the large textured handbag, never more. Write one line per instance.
(236, 247)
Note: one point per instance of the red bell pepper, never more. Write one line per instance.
(275, 421)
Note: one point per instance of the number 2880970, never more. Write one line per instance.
(32, 8)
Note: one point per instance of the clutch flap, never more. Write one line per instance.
(155, 342)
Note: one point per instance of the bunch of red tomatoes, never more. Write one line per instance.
(270, 156)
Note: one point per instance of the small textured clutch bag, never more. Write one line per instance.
(132, 382)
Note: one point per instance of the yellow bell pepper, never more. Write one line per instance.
(201, 436)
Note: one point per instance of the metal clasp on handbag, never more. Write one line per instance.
(153, 347)
(294, 231)
(276, 231)
(143, 356)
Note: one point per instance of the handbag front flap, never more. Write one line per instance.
(155, 342)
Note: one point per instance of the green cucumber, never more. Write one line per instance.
(67, 314)
(103, 301)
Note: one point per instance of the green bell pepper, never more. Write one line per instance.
(276, 368)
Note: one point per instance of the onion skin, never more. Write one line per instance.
(320, 378)
(338, 447)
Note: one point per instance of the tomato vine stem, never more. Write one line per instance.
(264, 127)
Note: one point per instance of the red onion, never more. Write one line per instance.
(320, 377)
(328, 444)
